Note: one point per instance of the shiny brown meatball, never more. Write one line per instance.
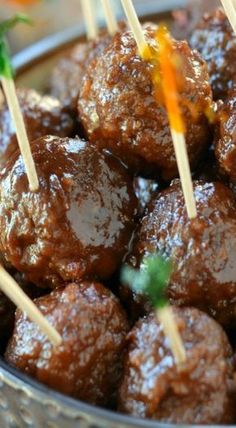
(118, 109)
(200, 392)
(214, 38)
(87, 365)
(43, 115)
(225, 138)
(203, 250)
(67, 75)
(80, 221)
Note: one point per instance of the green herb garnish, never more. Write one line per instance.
(5, 59)
(151, 279)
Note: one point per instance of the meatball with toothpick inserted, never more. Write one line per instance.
(118, 107)
(79, 222)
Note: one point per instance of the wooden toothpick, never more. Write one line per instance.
(152, 280)
(90, 19)
(13, 291)
(135, 25)
(22, 138)
(110, 17)
(167, 320)
(230, 12)
(9, 89)
(171, 96)
(172, 103)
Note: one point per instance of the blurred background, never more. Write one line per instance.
(51, 16)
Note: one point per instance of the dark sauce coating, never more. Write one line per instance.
(201, 392)
(67, 75)
(42, 114)
(80, 221)
(203, 250)
(87, 365)
(225, 137)
(214, 38)
(118, 109)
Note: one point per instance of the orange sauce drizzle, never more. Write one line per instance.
(164, 74)
(23, 2)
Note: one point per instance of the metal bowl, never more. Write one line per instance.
(25, 402)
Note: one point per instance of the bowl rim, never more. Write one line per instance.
(22, 61)
(45, 393)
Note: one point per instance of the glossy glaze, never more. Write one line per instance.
(225, 137)
(87, 365)
(203, 251)
(118, 109)
(200, 392)
(80, 221)
(214, 38)
(43, 115)
(67, 75)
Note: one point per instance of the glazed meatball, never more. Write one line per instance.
(202, 250)
(118, 109)
(42, 115)
(225, 138)
(80, 221)
(199, 392)
(67, 75)
(87, 365)
(214, 38)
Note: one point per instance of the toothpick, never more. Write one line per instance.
(169, 85)
(135, 25)
(13, 291)
(184, 172)
(230, 12)
(177, 135)
(110, 17)
(14, 108)
(90, 19)
(166, 318)
(151, 280)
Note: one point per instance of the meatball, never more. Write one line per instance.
(87, 365)
(80, 221)
(42, 115)
(67, 75)
(202, 251)
(225, 138)
(214, 38)
(199, 392)
(118, 109)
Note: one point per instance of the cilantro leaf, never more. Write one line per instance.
(5, 59)
(151, 279)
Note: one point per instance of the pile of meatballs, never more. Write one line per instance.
(109, 195)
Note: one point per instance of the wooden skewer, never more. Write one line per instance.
(184, 172)
(166, 318)
(90, 19)
(230, 11)
(134, 25)
(110, 17)
(178, 137)
(13, 291)
(14, 107)
(177, 127)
